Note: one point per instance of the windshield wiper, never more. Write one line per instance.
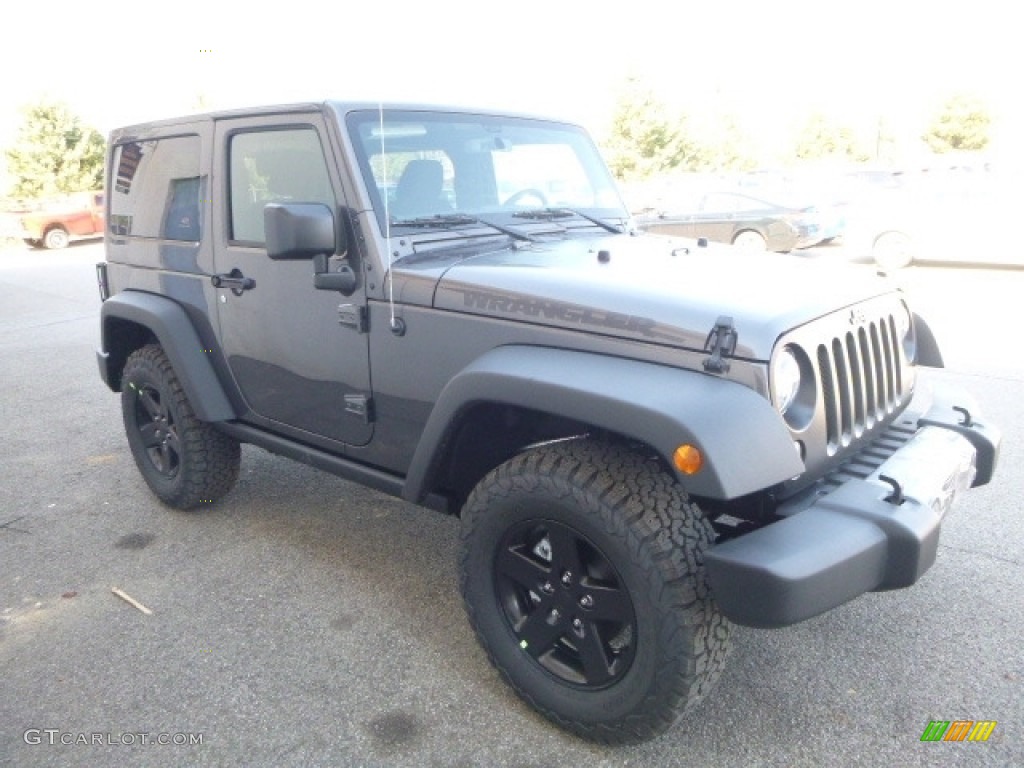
(444, 220)
(562, 212)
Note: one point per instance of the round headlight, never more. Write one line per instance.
(785, 379)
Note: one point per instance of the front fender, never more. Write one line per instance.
(168, 321)
(745, 444)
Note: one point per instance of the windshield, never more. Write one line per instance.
(424, 165)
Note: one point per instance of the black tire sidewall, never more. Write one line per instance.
(143, 373)
(650, 663)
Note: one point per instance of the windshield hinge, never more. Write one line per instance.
(354, 316)
(721, 343)
(360, 406)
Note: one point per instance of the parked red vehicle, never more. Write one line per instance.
(56, 222)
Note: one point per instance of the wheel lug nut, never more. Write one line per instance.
(567, 578)
(587, 601)
(546, 588)
(555, 615)
(577, 625)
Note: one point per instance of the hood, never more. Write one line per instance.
(654, 289)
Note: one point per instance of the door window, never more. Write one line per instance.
(285, 166)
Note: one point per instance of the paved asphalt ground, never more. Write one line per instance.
(307, 621)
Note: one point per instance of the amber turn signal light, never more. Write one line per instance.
(688, 459)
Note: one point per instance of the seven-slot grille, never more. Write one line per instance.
(861, 379)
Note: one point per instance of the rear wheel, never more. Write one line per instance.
(56, 238)
(185, 461)
(582, 574)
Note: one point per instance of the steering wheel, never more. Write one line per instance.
(518, 197)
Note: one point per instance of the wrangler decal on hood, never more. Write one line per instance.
(556, 310)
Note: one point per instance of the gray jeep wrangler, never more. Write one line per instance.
(646, 438)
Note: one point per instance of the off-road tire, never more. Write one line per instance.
(624, 507)
(186, 462)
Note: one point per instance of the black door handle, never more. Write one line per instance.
(234, 280)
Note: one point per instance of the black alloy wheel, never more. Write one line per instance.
(566, 603)
(185, 461)
(157, 430)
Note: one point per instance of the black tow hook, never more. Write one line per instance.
(896, 497)
(967, 422)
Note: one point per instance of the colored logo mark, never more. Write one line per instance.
(958, 730)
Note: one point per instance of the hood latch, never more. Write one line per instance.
(721, 342)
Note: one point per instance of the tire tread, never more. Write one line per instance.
(666, 534)
(209, 459)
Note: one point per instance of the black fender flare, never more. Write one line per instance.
(744, 441)
(168, 321)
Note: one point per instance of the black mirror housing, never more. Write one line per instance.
(300, 230)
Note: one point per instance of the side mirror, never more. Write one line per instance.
(300, 231)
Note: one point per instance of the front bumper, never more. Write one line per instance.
(865, 535)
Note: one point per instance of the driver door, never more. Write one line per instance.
(300, 371)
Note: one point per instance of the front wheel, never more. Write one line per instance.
(893, 250)
(582, 573)
(185, 461)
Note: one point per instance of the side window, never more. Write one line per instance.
(747, 204)
(720, 203)
(157, 189)
(270, 167)
(726, 203)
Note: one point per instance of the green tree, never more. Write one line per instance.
(821, 138)
(961, 123)
(726, 147)
(643, 139)
(54, 153)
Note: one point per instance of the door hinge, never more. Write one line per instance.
(354, 316)
(361, 406)
(721, 342)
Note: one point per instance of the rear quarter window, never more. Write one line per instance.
(157, 189)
